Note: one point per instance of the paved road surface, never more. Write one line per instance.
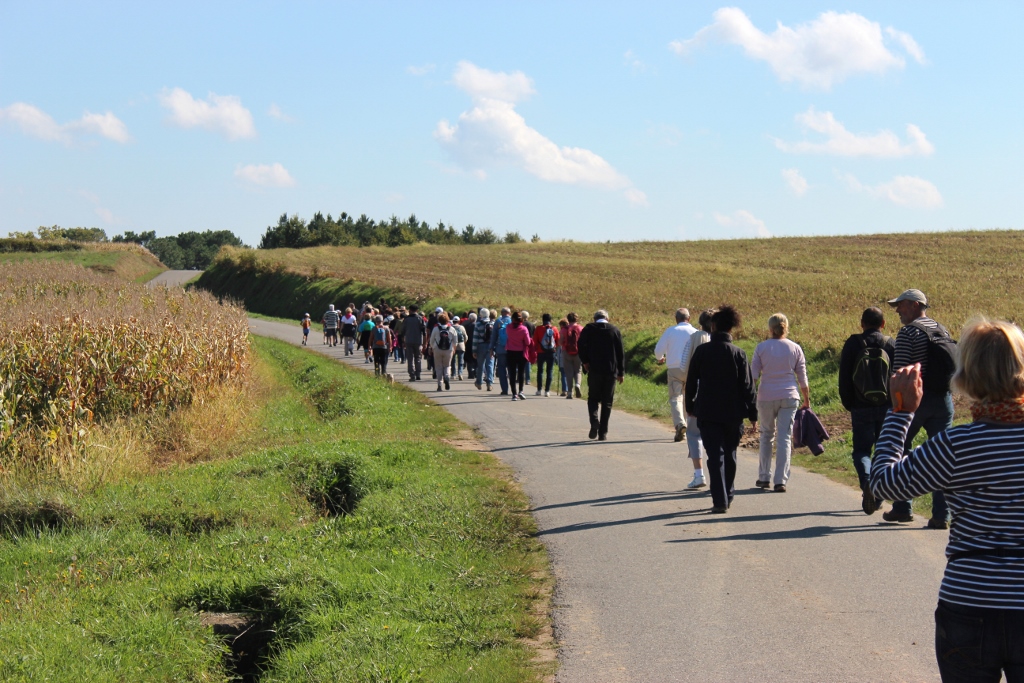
(800, 586)
(173, 278)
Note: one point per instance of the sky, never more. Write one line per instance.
(585, 121)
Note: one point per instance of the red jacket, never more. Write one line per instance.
(538, 337)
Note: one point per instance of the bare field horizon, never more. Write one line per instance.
(821, 283)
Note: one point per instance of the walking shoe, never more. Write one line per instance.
(762, 484)
(515, 397)
(593, 433)
(546, 394)
(439, 386)
(538, 393)
(937, 523)
(780, 488)
(447, 385)
(680, 433)
(488, 387)
(521, 396)
(697, 483)
(569, 395)
(894, 518)
(868, 503)
(561, 393)
(602, 437)
(504, 393)
(719, 510)
(579, 394)
(459, 378)
(478, 386)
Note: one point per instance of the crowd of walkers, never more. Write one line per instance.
(892, 387)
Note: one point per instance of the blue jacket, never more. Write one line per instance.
(497, 338)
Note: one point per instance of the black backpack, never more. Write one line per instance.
(871, 373)
(942, 355)
(487, 333)
(444, 340)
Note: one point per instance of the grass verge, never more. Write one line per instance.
(347, 534)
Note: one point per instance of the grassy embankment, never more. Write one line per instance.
(319, 506)
(127, 261)
(821, 283)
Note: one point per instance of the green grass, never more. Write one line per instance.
(431, 576)
(129, 264)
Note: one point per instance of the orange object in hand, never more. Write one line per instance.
(897, 405)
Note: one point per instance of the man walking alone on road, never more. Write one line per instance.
(922, 340)
(671, 352)
(604, 361)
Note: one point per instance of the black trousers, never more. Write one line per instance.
(721, 439)
(600, 394)
(515, 362)
(545, 358)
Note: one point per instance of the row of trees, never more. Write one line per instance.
(294, 233)
(57, 233)
(186, 251)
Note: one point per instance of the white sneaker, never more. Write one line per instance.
(546, 394)
(697, 483)
(538, 393)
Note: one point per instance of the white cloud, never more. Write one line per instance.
(265, 175)
(797, 183)
(421, 70)
(220, 113)
(275, 112)
(38, 124)
(633, 61)
(841, 142)
(105, 214)
(745, 223)
(903, 190)
(818, 53)
(493, 132)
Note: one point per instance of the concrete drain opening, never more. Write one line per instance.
(248, 637)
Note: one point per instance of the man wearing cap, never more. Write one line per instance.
(935, 414)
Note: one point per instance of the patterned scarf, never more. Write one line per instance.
(1011, 410)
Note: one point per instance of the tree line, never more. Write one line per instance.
(293, 232)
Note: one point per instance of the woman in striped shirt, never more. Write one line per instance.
(979, 623)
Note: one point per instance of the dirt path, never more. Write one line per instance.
(800, 586)
(173, 278)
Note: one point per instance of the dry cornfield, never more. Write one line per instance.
(78, 348)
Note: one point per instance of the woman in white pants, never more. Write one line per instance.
(780, 365)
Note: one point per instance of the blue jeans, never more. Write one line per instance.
(501, 370)
(867, 425)
(934, 415)
(562, 376)
(977, 644)
(484, 369)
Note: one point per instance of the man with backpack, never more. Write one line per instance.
(330, 321)
(415, 329)
(924, 341)
(572, 366)
(381, 339)
(482, 349)
(499, 336)
(443, 340)
(545, 338)
(865, 366)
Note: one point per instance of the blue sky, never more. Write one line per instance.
(587, 121)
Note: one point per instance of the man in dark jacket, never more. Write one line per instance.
(720, 393)
(866, 354)
(604, 361)
(415, 331)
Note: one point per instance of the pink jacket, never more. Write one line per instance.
(518, 337)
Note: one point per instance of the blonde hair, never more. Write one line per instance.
(778, 324)
(991, 363)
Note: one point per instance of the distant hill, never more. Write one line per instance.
(129, 261)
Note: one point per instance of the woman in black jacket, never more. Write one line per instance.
(720, 392)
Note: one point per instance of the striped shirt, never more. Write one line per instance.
(980, 466)
(912, 345)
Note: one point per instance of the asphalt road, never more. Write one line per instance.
(173, 278)
(797, 586)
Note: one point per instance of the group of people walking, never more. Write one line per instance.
(892, 387)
